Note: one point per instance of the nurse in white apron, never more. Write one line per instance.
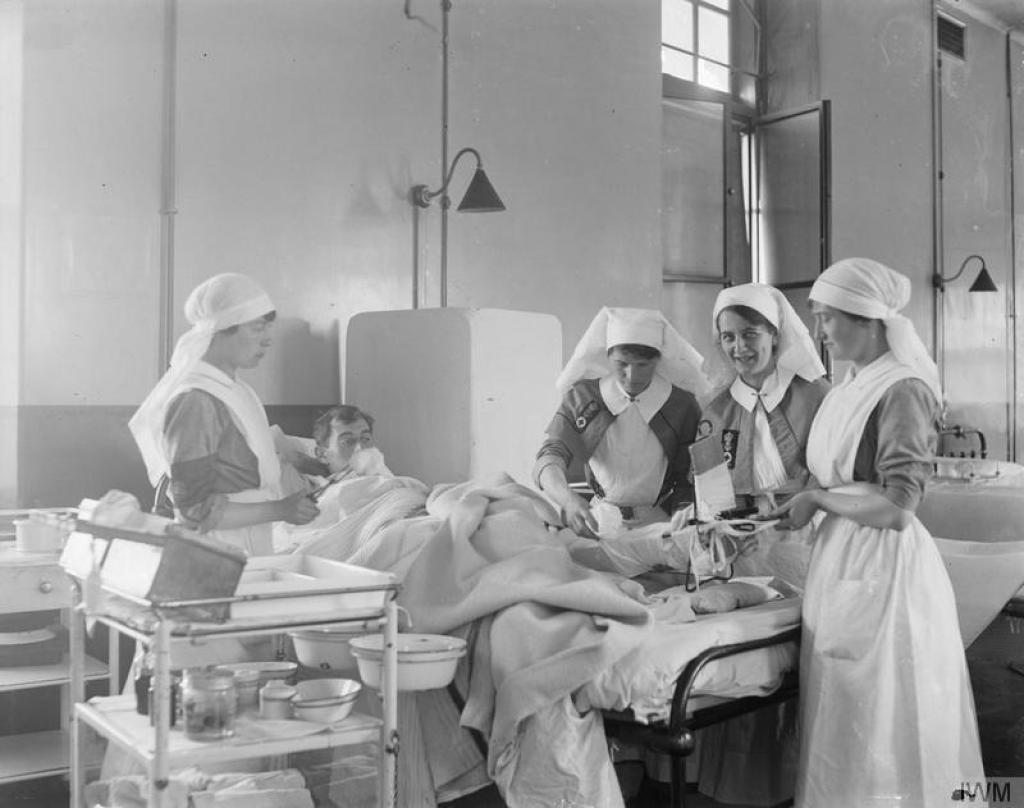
(887, 713)
(204, 430)
(204, 436)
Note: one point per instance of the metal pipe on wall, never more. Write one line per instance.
(446, 6)
(1011, 279)
(168, 189)
(938, 323)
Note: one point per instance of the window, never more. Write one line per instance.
(695, 41)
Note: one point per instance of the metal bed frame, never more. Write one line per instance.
(675, 737)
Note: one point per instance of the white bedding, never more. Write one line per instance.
(644, 681)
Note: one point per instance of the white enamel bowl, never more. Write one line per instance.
(269, 669)
(325, 700)
(326, 649)
(425, 661)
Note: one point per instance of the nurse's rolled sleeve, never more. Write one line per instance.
(194, 436)
(907, 440)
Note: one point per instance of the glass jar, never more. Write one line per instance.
(209, 704)
(247, 683)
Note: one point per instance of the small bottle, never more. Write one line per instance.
(143, 679)
(276, 701)
(175, 696)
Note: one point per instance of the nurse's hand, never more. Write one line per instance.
(797, 512)
(298, 509)
(579, 518)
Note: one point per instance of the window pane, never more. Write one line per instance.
(713, 35)
(790, 184)
(692, 187)
(714, 76)
(677, 23)
(677, 64)
(722, 4)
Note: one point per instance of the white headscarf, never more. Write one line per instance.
(795, 352)
(680, 364)
(218, 303)
(870, 289)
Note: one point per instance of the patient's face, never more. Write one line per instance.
(346, 439)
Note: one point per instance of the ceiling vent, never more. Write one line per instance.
(951, 36)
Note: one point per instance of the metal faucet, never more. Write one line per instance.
(958, 431)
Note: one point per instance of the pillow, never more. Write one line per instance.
(726, 597)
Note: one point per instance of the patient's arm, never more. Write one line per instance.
(636, 551)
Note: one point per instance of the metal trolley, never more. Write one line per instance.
(159, 626)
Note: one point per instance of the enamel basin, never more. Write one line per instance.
(978, 526)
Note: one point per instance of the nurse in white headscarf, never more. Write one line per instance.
(629, 415)
(887, 712)
(769, 382)
(203, 432)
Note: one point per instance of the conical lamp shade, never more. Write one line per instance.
(480, 195)
(983, 283)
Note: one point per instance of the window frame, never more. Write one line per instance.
(695, 55)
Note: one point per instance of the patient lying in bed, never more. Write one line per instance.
(358, 493)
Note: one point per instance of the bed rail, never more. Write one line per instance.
(675, 736)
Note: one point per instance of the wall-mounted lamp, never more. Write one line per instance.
(480, 196)
(982, 283)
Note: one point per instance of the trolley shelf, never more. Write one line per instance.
(163, 626)
(115, 718)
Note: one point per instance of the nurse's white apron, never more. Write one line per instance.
(248, 415)
(887, 713)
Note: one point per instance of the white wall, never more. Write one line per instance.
(875, 69)
(90, 194)
(976, 220)
(300, 127)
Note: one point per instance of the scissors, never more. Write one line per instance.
(745, 527)
(316, 493)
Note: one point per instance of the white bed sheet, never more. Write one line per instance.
(645, 680)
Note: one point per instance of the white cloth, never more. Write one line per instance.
(218, 303)
(680, 363)
(870, 289)
(796, 352)
(629, 463)
(887, 714)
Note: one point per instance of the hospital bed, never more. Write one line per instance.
(688, 676)
(693, 675)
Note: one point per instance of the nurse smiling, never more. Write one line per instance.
(749, 342)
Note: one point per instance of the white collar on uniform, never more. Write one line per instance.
(771, 392)
(648, 402)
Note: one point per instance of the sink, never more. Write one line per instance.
(978, 526)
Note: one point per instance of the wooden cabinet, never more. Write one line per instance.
(33, 582)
